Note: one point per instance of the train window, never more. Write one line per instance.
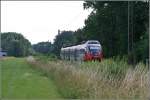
(93, 42)
(82, 50)
(94, 48)
(75, 52)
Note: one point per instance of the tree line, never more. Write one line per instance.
(15, 44)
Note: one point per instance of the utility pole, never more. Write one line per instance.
(128, 28)
(131, 55)
(132, 32)
(58, 32)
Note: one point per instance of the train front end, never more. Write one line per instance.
(94, 51)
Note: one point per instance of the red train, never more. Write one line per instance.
(90, 50)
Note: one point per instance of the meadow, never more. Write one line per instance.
(109, 79)
(46, 78)
(19, 81)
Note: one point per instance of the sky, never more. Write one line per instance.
(40, 20)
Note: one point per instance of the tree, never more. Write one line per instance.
(108, 23)
(63, 39)
(43, 47)
(15, 44)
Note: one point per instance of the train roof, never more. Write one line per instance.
(92, 42)
(83, 46)
(74, 47)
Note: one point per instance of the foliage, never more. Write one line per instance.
(108, 23)
(43, 47)
(46, 58)
(110, 68)
(142, 48)
(15, 44)
(63, 39)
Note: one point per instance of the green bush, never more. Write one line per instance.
(46, 58)
(115, 68)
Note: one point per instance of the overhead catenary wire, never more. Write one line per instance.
(72, 20)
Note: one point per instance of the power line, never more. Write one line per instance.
(72, 20)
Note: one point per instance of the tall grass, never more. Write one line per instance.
(108, 79)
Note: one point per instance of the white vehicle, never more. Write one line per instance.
(2, 53)
(90, 50)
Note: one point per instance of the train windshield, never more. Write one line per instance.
(94, 48)
(93, 42)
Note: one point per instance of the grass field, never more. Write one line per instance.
(20, 81)
(110, 79)
(43, 78)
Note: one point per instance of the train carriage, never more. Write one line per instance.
(90, 50)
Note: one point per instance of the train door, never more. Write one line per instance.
(75, 55)
(61, 54)
(71, 55)
(81, 54)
